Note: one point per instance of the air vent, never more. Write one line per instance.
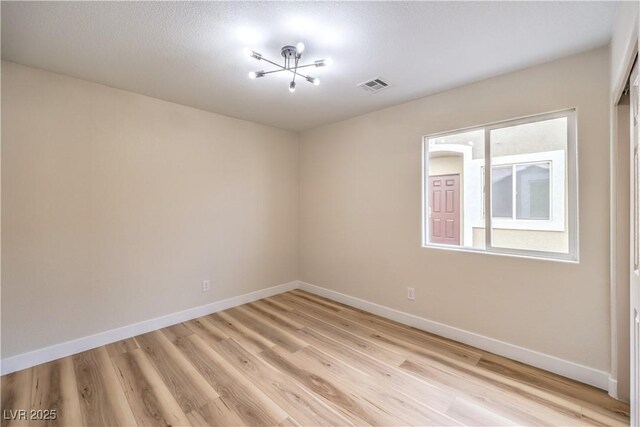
(374, 85)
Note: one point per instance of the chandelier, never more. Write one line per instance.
(291, 63)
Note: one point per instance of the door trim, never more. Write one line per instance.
(634, 236)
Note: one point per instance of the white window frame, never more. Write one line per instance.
(558, 174)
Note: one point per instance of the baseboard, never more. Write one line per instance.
(553, 364)
(613, 387)
(47, 354)
(547, 362)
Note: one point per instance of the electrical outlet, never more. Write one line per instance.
(206, 285)
(411, 294)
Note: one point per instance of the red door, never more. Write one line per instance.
(444, 209)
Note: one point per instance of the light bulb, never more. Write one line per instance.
(328, 62)
(316, 82)
(252, 54)
(300, 47)
(253, 75)
(292, 87)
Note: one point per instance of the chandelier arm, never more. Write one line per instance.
(285, 69)
(275, 71)
(295, 70)
(273, 63)
(296, 73)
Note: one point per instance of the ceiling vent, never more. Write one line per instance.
(374, 85)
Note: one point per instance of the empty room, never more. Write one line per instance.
(289, 213)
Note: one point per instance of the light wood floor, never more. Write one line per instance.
(298, 359)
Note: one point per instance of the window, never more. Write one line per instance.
(502, 188)
(533, 188)
(531, 191)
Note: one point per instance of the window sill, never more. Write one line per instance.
(523, 225)
(513, 253)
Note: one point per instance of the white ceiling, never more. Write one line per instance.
(192, 52)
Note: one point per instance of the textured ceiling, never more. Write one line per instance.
(191, 52)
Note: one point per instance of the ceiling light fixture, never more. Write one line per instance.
(291, 55)
(256, 74)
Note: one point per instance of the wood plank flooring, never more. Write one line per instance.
(298, 359)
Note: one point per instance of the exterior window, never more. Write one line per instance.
(532, 197)
(532, 191)
(502, 188)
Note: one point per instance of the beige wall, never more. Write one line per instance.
(360, 219)
(116, 206)
(446, 165)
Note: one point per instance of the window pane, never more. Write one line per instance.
(539, 152)
(532, 191)
(502, 192)
(454, 190)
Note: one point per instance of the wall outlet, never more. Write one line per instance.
(206, 285)
(411, 294)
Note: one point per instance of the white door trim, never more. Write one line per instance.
(634, 279)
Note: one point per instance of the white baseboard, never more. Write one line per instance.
(47, 354)
(553, 364)
(547, 362)
(613, 387)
